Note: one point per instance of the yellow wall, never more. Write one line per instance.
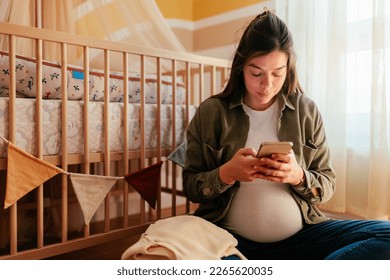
(199, 9)
(208, 8)
(178, 9)
(210, 27)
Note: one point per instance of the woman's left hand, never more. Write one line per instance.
(280, 168)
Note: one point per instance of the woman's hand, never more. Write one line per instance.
(245, 167)
(280, 168)
(241, 167)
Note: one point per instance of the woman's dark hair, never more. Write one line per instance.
(265, 34)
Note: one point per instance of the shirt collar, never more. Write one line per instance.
(285, 101)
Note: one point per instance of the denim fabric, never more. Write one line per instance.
(331, 240)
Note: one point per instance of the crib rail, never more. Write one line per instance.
(202, 76)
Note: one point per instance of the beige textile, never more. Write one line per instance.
(24, 173)
(183, 237)
(90, 191)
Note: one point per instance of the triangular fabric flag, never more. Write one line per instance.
(146, 182)
(24, 173)
(178, 155)
(90, 191)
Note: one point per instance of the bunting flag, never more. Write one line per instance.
(90, 191)
(147, 182)
(178, 156)
(24, 173)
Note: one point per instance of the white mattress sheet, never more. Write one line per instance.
(51, 125)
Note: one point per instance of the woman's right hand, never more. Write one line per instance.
(240, 168)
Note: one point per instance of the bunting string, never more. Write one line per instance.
(89, 189)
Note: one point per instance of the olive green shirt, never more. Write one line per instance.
(220, 127)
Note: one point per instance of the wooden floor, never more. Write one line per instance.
(107, 251)
(113, 250)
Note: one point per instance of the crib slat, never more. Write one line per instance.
(106, 113)
(64, 142)
(12, 138)
(86, 110)
(142, 111)
(173, 168)
(213, 80)
(188, 90)
(13, 228)
(174, 189)
(39, 142)
(159, 130)
(125, 138)
(142, 127)
(159, 102)
(174, 101)
(187, 115)
(12, 93)
(86, 121)
(106, 122)
(201, 83)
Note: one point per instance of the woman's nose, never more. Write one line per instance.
(266, 81)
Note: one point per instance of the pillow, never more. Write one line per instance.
(51, 83)
(25, 77)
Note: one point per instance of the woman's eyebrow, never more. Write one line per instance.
(257, 67)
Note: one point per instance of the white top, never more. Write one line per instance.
(263, 211)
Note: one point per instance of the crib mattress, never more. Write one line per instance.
(51, 125)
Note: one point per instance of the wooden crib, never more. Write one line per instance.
(47, 221)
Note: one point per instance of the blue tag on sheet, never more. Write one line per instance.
(78, 75)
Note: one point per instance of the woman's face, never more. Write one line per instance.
(264, 77)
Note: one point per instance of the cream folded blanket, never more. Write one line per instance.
(183, 237)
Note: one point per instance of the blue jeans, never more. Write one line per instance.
(331, 240)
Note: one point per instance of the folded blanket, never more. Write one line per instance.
(183, 237)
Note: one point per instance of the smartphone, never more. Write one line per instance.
(266, 149)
